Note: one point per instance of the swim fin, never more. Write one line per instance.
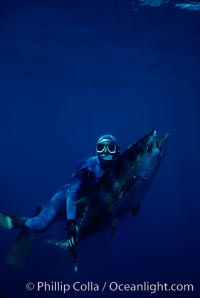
(11, 222)
(24, 240)
(20, 248)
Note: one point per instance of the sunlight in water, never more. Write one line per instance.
(189, 5)
(153, 2)
(194, 5)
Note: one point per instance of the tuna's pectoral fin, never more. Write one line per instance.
(135, 210)
(114, 227)
(81, 201)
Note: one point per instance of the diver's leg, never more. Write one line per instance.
(40, 221)
(49, 213)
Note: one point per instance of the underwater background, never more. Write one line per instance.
(69, 72)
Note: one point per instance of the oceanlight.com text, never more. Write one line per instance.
(111, 286)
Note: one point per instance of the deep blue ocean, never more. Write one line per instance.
(71, 71)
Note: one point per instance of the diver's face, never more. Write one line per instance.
(106, 150)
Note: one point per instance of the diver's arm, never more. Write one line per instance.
(74, 190)
(72, 196)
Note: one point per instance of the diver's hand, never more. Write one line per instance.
(72, 231)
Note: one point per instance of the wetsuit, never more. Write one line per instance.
(62, 203)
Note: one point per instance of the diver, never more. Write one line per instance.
(62, 204)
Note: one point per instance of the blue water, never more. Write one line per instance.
(69, 72)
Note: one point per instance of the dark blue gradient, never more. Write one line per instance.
(69, 72)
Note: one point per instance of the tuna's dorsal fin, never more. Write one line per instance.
(114, 227)
(136, 209)
(81, 201)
